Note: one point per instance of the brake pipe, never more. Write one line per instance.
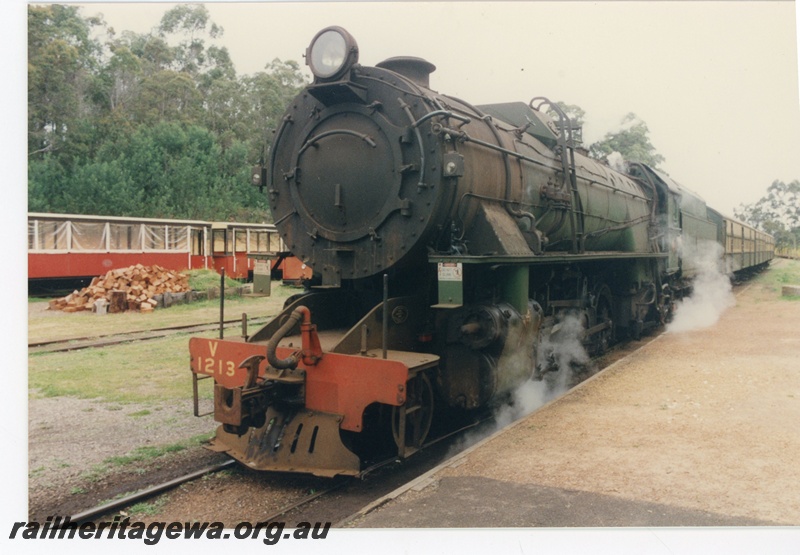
(290, 362)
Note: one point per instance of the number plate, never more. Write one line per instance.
(221, 359)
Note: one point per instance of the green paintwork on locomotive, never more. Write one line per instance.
(614, 208)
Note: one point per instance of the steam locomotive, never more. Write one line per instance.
(446, 240)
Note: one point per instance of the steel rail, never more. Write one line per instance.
(73, 343)
(307, 499)
(145, 493)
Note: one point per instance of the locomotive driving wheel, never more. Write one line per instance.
(411, 422)
(604, 317)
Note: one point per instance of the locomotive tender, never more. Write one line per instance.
(446, 239)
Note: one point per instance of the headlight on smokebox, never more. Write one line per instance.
(331, 54)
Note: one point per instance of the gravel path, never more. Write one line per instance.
(704, 420)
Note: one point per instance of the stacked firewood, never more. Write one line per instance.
(132, 288)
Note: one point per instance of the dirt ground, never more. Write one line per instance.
(77, 447)
(66, 462)
(706, 420)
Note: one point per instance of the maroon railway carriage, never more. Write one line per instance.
(70, 248)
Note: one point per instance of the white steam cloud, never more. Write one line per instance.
(528, 397)
(616, 162)
(712, 293)
(560, 355)
(562, 352)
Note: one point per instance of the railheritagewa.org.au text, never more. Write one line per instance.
(270, 533)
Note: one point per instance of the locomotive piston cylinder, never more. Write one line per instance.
(485, 325)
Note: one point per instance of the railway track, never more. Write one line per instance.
(77, 343)
(112, 507)
(128, 500)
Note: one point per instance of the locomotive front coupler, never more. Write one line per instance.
(241, 408)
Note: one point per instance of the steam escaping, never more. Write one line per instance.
(560, 356)
(528, 397)
(561, 353)
(617, 162)
(712, 293)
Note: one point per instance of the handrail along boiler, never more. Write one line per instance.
(446, 239)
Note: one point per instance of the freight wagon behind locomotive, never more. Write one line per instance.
(447, 240)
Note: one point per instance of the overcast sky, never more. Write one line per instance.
(716, 82)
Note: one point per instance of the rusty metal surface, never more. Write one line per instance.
(302, 441)
(411, 422)
(228, 405)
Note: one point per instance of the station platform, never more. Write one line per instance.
(697, 428)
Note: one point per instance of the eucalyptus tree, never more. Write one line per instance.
(62, 61)
(777, 213)
(632, 141)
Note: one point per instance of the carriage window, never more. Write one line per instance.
(154, 237)
(53, 235)
(88, 236)
(218, 240)
(241, 240)
(125, 237)
(258, 241)
(32, 234)
(176, 238)
(275, 243)
(198, 248)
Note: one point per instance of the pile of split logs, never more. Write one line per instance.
(133, 288)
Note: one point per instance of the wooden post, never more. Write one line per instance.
(119, 301)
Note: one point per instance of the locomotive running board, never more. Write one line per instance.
(302, 441)
(546, 258)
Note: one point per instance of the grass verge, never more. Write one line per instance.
(137, 459)
(201, 280)
(149, 452)
(47, 325)
(155, 371)
(782, 272)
